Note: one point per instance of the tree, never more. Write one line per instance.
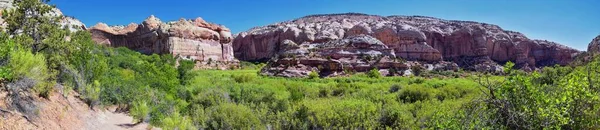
(33, 19)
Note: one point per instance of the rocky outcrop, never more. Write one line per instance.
(189, 39)
(359, 53)
(415, 38)
(594, 46)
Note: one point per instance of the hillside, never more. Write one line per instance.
(471, 45)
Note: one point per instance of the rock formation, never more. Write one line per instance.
(414, 38)
(359, 53)
(594, 46)
(189, 39)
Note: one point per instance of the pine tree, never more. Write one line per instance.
(33, 22)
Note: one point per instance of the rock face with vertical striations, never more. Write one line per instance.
(189, 39)
(413, 38)
(594, 46)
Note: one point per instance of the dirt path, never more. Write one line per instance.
(65, 113)
(106, 120)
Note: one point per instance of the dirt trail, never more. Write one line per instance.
(106, 120)
(64, 113)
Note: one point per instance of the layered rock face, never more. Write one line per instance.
(415, 38)
(356, 53)
(189, 39)
(594, 46)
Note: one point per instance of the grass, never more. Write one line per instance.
(385, 102)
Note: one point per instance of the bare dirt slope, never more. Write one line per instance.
(61, 112)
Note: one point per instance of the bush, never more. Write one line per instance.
(417, 80)
(417, 70)
(243, 78)
(396, 116)
(92, 93)
(415, 93)
(24, 64)
(139, 111)
(394, 88)
(177, 122)
(232, 116)
(374, 73)
(185, 71)
(341, 114)
(313, 75)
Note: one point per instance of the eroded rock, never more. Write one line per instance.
(189, 39)
(415, 38)
(359, 53)
(594, 46)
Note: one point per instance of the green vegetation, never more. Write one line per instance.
(169, 94)
(374, 73)
(358, 101)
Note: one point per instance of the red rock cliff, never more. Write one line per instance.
(190, 39)
(411, 37)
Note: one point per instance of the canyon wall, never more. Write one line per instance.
(413, 38)
(195, 39)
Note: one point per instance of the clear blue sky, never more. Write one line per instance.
(571, 22)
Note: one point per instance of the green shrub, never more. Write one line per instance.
(415, 93)
(374, 73)
(394, 88)
(243, 78)
(313, 75)
(24, 64)
(232, 116)
(92, 93)
(417, 80)
(296, 93)
(177, 122)
(341, 114)
(211, 97)
(139, 111)
(396, 116)
(5, 73)
(185, 71)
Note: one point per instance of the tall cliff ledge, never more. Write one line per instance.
(189, 39)
(413, 38)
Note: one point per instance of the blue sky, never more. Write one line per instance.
(571, 22)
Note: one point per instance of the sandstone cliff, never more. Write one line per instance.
(357, 53)
(190, 39)
(415, 38)
(594, 46)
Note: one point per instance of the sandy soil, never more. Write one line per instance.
(65, 113)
